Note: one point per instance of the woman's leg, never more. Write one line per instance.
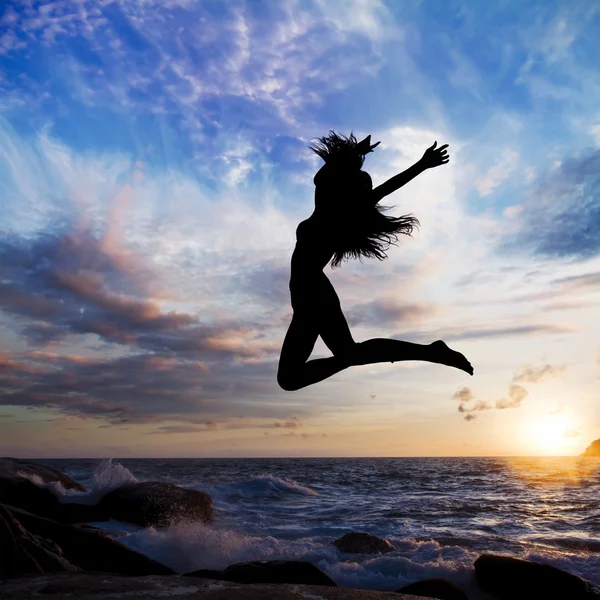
(336, 334)
(325, 318)
(294, 371)
(379, 350)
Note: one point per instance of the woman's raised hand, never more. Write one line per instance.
(434, 157)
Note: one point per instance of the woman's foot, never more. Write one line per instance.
(441, 354)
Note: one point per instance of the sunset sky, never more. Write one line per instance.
(154, 166)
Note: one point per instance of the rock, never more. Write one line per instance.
(17, 490)
(22, 553)
(593, 449)
(362, 543)
(89, 550)
(11, 467)
(269, 571)
(80, 513)
(441, 589)
(158, 504)
(516, 579)
(90, 586)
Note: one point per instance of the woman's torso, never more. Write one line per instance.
(322, 234)
(314, 247)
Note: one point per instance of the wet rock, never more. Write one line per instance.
(441, 589)
(13, 467)
(17, 489)
(269, 571)
(89, 586)
(157, 504)
(22, 553)
(362, 543)
(516, 579)
(89, 550)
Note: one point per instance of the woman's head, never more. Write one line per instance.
(343, 151)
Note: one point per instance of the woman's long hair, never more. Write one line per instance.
(362, 228)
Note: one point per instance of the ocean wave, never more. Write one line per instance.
(394, 475)
(266, 485)
(107, 476)
(187, 547)
(571, 543)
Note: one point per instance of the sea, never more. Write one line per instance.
(439, 513)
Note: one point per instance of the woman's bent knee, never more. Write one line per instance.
(286, 381)
(348, 355)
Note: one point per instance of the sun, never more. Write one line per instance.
(549, 433)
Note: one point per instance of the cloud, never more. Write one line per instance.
(495, 175)
(142, 388)
(531, 374)
(463, 395)
(66, 283)
(291, 423)
(470, 417)
(383, 312)
(476, 406)
(272, 65)
(516, 395)
(586, 280)
(572, 433)
(468, 404)
(515, 331)
(171, 429)
(561, 216)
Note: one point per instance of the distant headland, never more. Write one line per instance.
(593, 449)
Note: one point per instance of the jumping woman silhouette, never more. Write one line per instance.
(347, 223)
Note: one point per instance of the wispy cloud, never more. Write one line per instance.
(533, 374)
(516, 395)
(561, 216)
(291, 423)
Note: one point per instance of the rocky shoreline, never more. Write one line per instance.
(46, 549)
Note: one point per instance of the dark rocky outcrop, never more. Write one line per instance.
(442, 589)
(12, 467)
(269, 571)
(89, 550)
(156, 504)
(362, 543)
(89, 586)
(22, 553)
(516, 579)
(17, 489)
(593, 449)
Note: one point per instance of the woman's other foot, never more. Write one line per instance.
(441, 354)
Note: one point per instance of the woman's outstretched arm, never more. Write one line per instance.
(432, 158)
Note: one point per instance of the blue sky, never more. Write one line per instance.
(154, 166)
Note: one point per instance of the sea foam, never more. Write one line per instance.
(108, 475)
